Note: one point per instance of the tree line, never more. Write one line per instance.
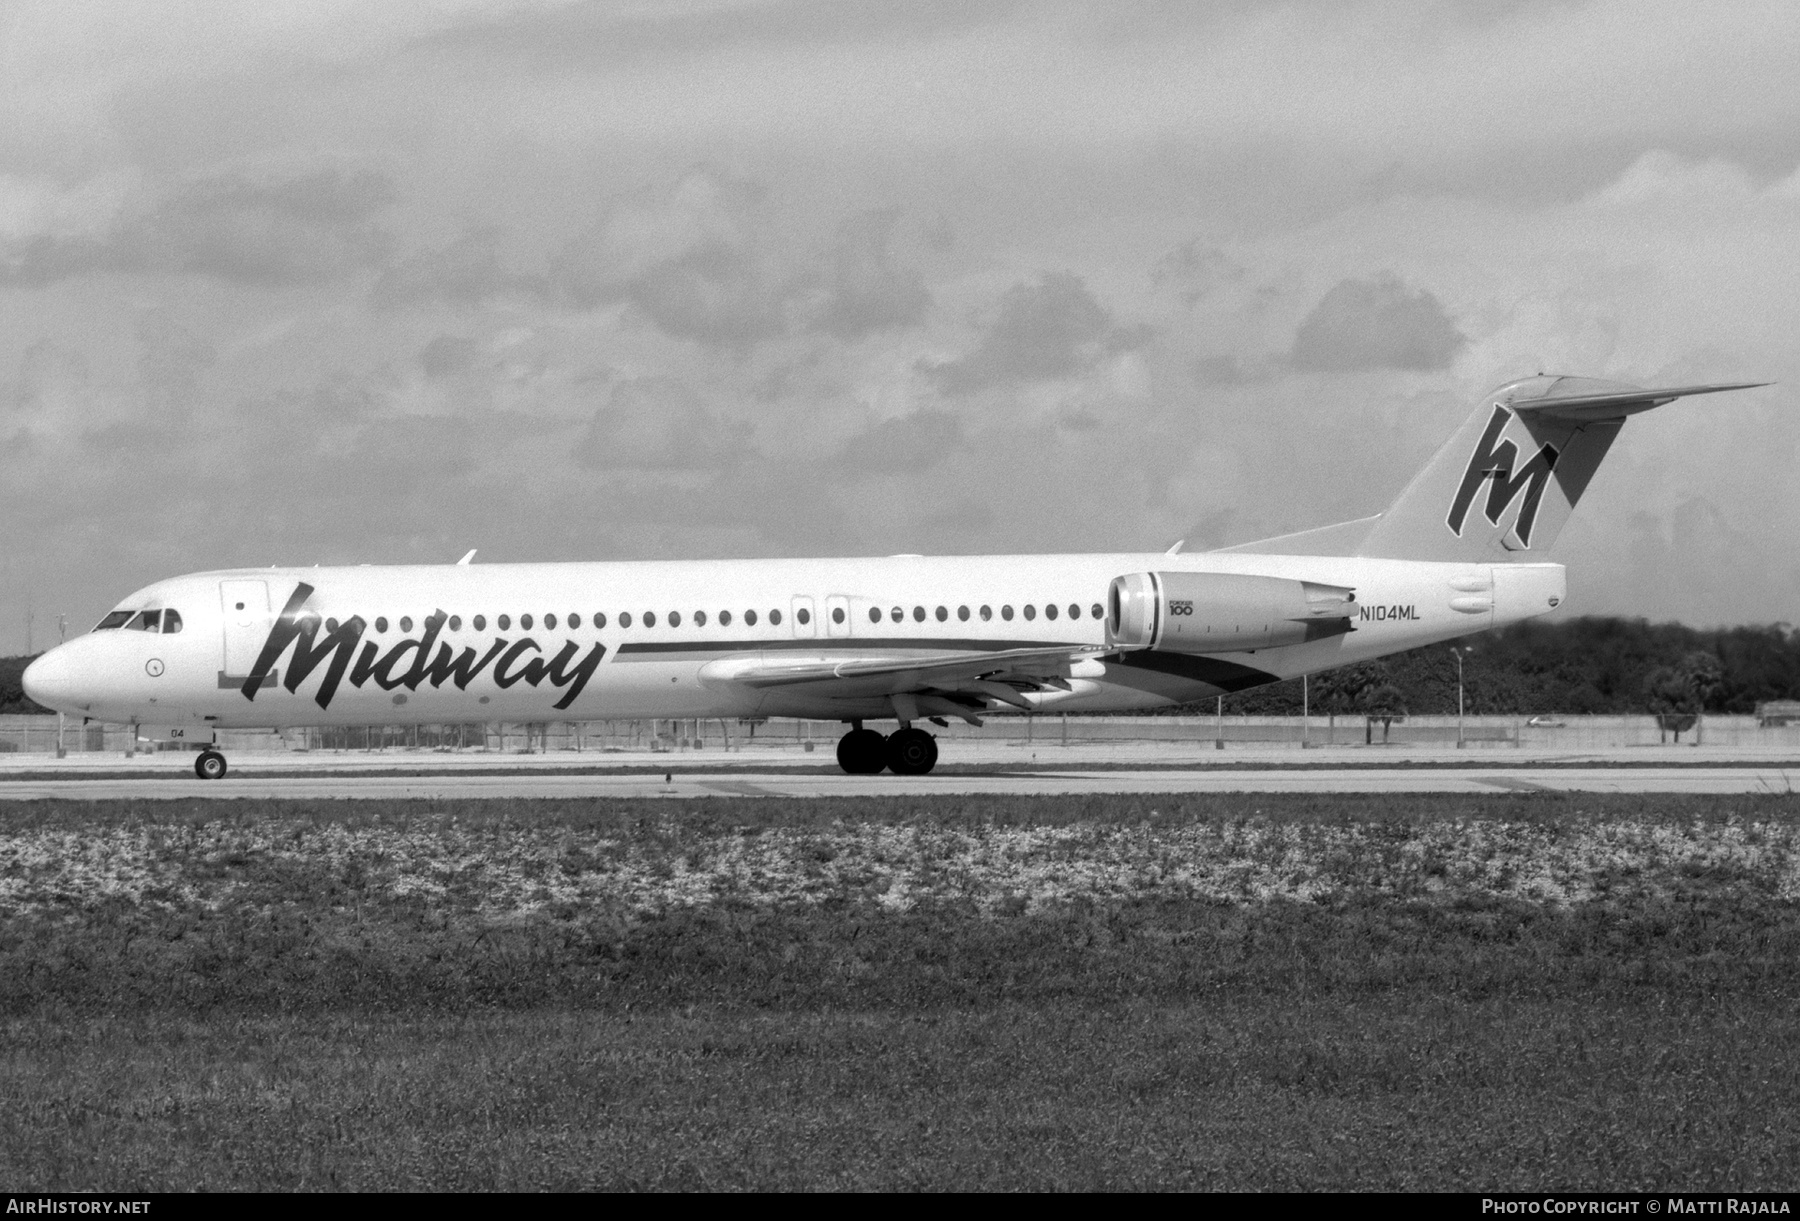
(1587, 665)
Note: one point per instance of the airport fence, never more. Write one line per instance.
(42, 735)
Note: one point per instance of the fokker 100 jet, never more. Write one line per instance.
(902, 638)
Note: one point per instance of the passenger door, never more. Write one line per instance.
(246, 614)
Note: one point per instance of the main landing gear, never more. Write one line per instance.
(209, 765)
(905, 752)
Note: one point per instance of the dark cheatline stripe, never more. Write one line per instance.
(235, 682)
(847, 643)
(1225, 675)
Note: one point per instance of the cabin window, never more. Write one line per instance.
(674, 618)
(837, 614)
(918, 614)
(456, 623)
(550, 623)
(1074, 611)
(943, 613)
(897, 614)
(381, 623)
(599, 618)
(649, 618)
(962, 613)
(480, 622)
(1006, 613)
(1049, 611)
(750, 617)
(987, 612)
(699, 618)
(1099, 611)
(171, 622)
(725, 618)
(1030, 611)
(803, 615)
(775, 617)
(524, 623)
(624, 618)
(406, 623)
(874, 614)
(505, 623)
(113, 620)
(574, 622)
(331, 626)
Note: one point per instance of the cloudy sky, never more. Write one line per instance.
(334, 282)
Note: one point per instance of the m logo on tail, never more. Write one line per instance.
(1494, 459)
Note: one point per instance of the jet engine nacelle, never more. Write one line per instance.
(1222, 612)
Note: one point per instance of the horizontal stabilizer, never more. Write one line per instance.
(1614, 404)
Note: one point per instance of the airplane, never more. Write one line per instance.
(903, 638)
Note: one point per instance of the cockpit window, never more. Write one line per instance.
(146, 621)
(171, 622)
(112, 620)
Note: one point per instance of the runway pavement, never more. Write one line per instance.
(1524, 778)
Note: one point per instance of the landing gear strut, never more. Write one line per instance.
(209, 765)
(905, 752)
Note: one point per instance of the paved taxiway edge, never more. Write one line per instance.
(1743, 780)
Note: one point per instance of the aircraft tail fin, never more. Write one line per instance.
(1501, 489)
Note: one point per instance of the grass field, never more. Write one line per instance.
(1532, 991)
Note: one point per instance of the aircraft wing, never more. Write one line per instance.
(961, 678)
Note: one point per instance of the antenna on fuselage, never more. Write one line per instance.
(1176, 549)
(465, 560)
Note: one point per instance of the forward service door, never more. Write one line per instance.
(246, 616)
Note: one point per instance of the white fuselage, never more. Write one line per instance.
(543, 642)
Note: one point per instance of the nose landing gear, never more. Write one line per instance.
(905, 752)
(209, 765)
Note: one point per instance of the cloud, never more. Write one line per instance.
(658, 424)
(254, 230)
(1054, 328)
(53, 381)
(465, 273)
(866, 291)
(1194, 271)
(170, 361)
(908, 443)
(700, 262)
(1660, 176)
(692, 258)
(448, 355)
(1376, 324)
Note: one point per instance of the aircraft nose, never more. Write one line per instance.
(50, 681)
